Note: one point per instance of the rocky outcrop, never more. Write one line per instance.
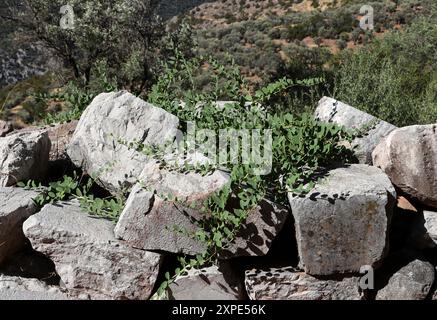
(95, 145)
(342, 224)
(23, 156)
(412, 282)
(89, 260)
(15, 288)
(16, 206)
(207, 284)
(288, 284)
(409, 157)
(331, 110)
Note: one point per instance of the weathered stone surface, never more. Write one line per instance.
(95, 144)
(409, 157)
(157, 222)
(60, 136)
(5, 128)
(331, 110)
(262, 226)
(15, 288)
(412, 282)
(207, 284)
(16, 206)
(342, 224)
(288, 284)
(23, 156)
(88, 258)
(149, 221)
(434, 295)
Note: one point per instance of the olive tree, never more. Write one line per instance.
(126, 34)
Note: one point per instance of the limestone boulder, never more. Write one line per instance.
(331, 110)
(342, 224)
(158, 215)
(409, 157)
(165, 212)
(412, 282)
(16, 205)
(211, 283)
(16, 288)
(112, 118)
(289, 284)
(91, 263)
(23, 156)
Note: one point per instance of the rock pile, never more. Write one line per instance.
(343, 227)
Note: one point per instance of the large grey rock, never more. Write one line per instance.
(409, 157)
(412, 282)
(288, 284)
(23, 156)
(158, 214)
(15, 288)
(151, 223)
(88, 258)
(16, 206)
(162, 215)
(331, 110)
(95, 144)
(206, 284)
(342, 224)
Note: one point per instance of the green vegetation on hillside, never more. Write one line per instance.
(394, 78)
(388, 72)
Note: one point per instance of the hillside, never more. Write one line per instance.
(265, 36)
